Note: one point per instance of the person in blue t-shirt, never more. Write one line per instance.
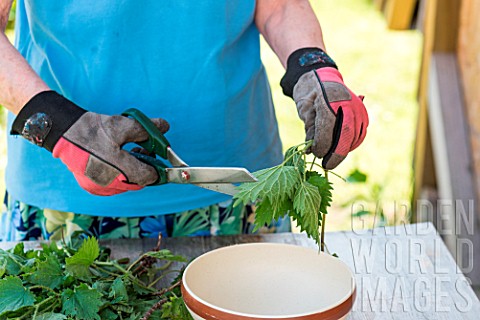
(76, 66)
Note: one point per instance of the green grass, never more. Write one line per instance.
(383, 65)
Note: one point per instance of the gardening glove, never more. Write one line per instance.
(89, 144)
(335, 118)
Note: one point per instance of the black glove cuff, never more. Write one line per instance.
(302, 61)
(45, 118)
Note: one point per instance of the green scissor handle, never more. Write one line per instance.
(156, 143)
(157, 164)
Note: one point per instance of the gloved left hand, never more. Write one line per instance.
(335, 118)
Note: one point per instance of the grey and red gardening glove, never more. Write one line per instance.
(89, 144)
(335, 118)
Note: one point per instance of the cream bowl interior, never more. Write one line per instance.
(268, 280)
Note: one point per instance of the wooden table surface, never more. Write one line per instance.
(402, 272)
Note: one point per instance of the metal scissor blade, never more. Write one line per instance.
(209, 175)
(174, 159)
(226, 188)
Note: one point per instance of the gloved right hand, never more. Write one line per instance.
(89, 144)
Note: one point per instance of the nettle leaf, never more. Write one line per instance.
(108, 314)
(165, 254)
(141, 290)
(307, 199)
(49, 273)
(115, 294)
(325, 188)
(82, 303)
(17, 314)
(267, 212)
(3, 267)
(32, 254)
(13, 295)
(307, 204)
(250, 192)
(280, 184)
(294, 158)
(102, 286)
(52, 248)
(118, 291)
(175, 309)
(19, 249)
(263, 214)
(69, 280)
(282, 208)
(276, 183)
(10, 264)
(78, 264)
(122, 307)
(51, 316)
(29, 266)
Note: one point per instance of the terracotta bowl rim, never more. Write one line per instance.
(349, 296)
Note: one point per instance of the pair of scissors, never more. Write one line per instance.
(219, 179)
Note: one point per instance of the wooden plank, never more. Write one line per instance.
(440, 27)
(440, 35)
(469, 60)
(420, 155)
(420, 15)
(446, 25)
(422, 122)
(453, 159)
(401, 272)
(424, 187)
(399, 13)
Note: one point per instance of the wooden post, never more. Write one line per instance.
(379, 4)
(451, 118)
(422, 125)
(469, 60)
(399, 13)
(440, 35)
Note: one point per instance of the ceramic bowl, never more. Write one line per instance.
(268, 281)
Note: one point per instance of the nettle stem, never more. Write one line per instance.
(306, 144)
(322, 236)
(304, 171)
(160, 303)
(164, 274)
(156, 306)
(43, 288)
(324, 218)
(313, 163)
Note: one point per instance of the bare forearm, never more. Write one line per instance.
(288, 25)
(18, 82)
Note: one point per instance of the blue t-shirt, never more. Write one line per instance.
(194, 63)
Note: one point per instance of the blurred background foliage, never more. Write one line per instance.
(11, 17)
(376, 62)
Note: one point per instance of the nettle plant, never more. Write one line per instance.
(293, 187)
(79, 280)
